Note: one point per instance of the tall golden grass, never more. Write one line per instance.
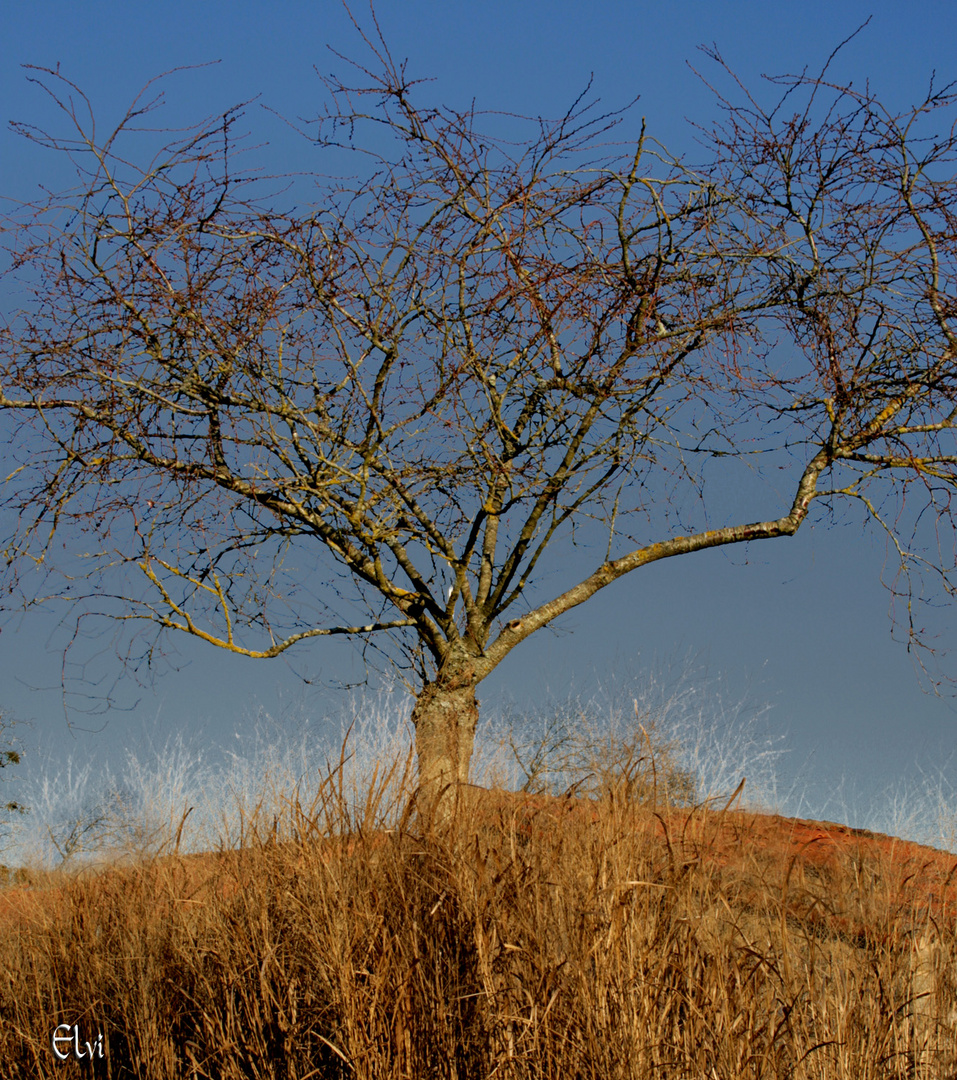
(608, 934)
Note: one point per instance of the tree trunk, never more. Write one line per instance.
(445, 716)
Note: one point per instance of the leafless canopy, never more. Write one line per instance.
(374, 414)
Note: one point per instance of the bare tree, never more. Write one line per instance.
(374, 415)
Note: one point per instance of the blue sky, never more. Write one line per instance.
(799, 623)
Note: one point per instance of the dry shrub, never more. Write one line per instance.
(535, 936)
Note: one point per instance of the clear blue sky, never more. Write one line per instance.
(804, 623)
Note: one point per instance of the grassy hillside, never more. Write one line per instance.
(617, 932)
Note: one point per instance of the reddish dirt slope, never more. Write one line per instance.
(815, 862)
(855, 883)
(756, 857)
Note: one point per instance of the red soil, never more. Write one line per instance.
(759, 857)
(831, 874)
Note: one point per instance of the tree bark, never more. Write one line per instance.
(445, 717)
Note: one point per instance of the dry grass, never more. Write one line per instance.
(604, 936)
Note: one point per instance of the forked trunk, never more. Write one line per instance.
(445, 717)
